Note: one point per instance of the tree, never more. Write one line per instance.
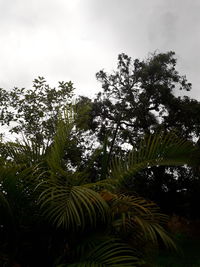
(34, 112)
(139, 98)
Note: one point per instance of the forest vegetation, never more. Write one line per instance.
(94, 182)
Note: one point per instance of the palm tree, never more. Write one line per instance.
(95, 224)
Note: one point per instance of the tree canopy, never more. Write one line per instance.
(34, 111)
(139, 98)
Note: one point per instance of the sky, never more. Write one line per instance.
(64, 40)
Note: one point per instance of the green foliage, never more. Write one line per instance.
(58, 193)
(72, 206)
(139, 98)
(158, 149)
(111, 252)
(34, 112)
(76, 207)
(61, 140)
(54, 192)
(137, 94)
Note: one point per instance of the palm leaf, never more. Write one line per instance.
(72, 207)
(61, 140)
(112, 252)
(66, 203)
(24, 152)
(159, 149)
(139, 219)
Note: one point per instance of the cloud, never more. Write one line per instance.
(72, 40)
(175, 27)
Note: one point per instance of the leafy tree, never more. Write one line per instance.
(34, 112)
(140, 98)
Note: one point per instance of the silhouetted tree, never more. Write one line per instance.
(140, 98)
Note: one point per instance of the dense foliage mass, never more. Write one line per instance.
(73, 190)
(140, 97)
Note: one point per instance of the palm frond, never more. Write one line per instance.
(153, 232)
(159, 149)
(112, 252)
(72, 207)
(139, 219)
(61, 140)
(24, 152)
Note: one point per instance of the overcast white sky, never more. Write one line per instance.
(73, 39)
